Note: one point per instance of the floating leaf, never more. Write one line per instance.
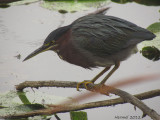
(23, 98)
(72, 6)
(22, 102)
(8, 3)
(144, 2)
(62, 11)
(150, 49)
(155, 28)
(121, 1)
(4, 5)
(151, 53)
(80, 115)
(23, 2)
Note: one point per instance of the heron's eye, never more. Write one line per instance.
(52, 42)
(46, 44)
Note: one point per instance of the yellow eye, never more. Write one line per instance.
(53, 42)
(46, 44)
(50, 43)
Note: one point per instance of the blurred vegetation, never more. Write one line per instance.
(72, 5)
(48, 3)
(144, 2)
(151, 53)
(74, 0)
(78, 115)
(151, 49)
(155, 27)
(20, 103)
(8, 3)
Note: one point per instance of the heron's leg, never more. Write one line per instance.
(93, 80)
(110, 73)
(100, 74)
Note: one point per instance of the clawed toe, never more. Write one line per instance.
(85, 82)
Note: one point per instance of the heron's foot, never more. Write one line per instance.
(85, 82)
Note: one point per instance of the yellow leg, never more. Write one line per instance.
(110, 73)
(100, 74)
(94, 79)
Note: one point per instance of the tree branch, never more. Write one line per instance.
(68, 106)
(71, 84)
(126, 98)
(52, 83)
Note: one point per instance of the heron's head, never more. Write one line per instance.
(50, 41)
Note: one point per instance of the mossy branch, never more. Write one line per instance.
(105, 90)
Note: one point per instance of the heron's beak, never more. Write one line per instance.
(37, 51)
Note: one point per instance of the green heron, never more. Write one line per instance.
(95, 40)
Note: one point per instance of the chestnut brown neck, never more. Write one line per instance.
(67, 51)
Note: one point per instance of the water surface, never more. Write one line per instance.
(23, 29)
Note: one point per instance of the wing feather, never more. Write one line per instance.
(105, 35)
